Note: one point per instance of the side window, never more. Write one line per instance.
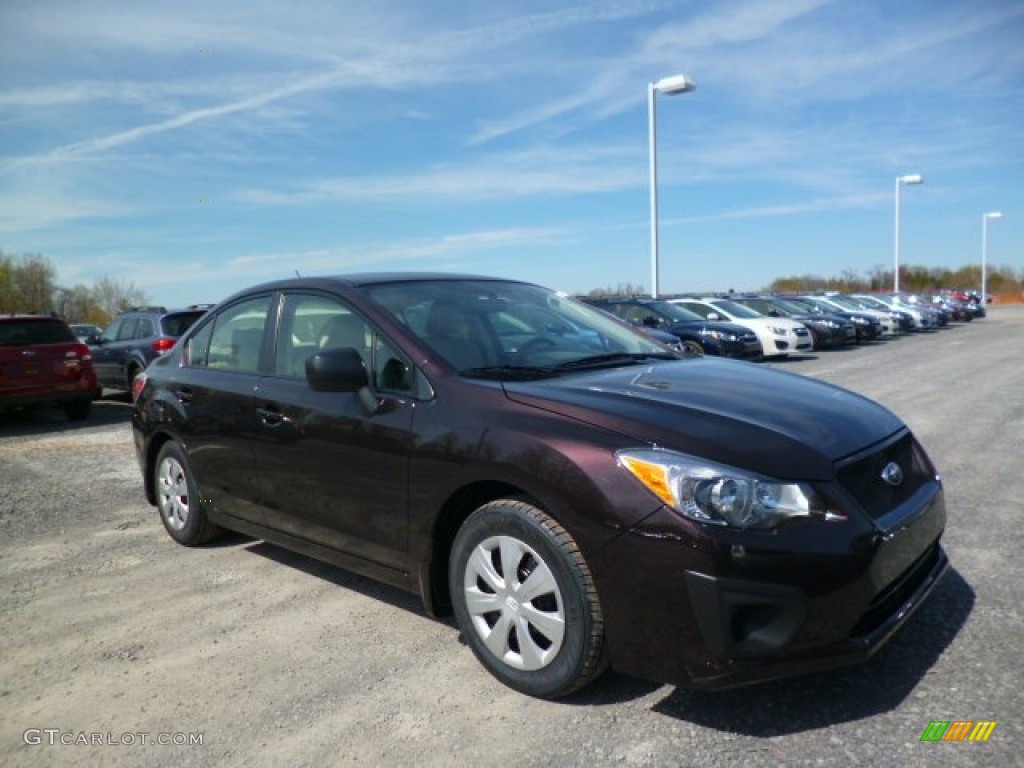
(391, 371)
(127, 331)
(237, 338)
(110, 334)
(143, 328)
(700, 309)
(311, 323)
(637, 315)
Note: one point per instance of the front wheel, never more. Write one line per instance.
(177, 498)
(525, 601)
(692, 348)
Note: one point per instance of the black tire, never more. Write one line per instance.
(78, 410)
(178, 500)
(692, 348)
(545, 639)
(130, 374)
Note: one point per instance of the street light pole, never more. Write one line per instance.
(668, 86)
(984, 249)
(912, 178)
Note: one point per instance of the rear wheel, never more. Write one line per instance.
(178, 499)
(525, 601)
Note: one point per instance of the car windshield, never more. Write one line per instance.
(735, 309)
(845, 302)
(790, 307)
(495, 328)
(816, 305)
(674, 312)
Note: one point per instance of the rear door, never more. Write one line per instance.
(217, 387)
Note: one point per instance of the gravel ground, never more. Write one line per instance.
(112, 633)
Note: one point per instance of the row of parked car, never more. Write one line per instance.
(577, 495)
(44, 361)
(759, 326)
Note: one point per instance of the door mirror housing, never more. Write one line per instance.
(336, 370)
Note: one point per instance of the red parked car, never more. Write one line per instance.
(43, 363)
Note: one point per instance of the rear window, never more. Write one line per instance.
(176, 324)
(15, 332)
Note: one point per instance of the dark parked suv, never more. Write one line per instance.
(42, 363)
(137, 337)
(575, 493)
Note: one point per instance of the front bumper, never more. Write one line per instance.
(739, 350)
(712, 610)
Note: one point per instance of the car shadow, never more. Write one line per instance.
(773, 708)
(824, 699)
(790, 358)
(339, 576)
(46, 420)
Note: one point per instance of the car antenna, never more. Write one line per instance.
(297, 273)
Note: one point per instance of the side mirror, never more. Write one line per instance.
(92, 340)
(713, 316)
(336, 370)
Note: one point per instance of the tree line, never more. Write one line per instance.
(28, 283)
(913, 279)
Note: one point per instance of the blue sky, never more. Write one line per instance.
(195, 148)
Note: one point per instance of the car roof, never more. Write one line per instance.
(20, 316)
(360, 279)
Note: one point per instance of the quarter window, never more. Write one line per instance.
(233, 340)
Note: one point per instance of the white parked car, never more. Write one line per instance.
(779, 336)
(921, 319)
(890, 323)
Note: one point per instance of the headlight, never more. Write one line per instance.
(720, 335)
(858, 320)
(718, 494)
(830, 323)
(777, 330)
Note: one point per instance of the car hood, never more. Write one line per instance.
(781, 424)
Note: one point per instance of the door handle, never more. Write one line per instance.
(271, 416)
(184, 394)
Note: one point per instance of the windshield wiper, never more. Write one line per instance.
(509, 372)
(615, 358)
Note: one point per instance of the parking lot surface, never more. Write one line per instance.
(122, 648)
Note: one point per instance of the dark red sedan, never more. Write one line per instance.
(578, 495)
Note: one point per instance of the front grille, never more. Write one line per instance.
(863, 477)
(748, 338)
(801, 331)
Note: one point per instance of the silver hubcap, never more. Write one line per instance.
(514, 603)
(172, 492)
